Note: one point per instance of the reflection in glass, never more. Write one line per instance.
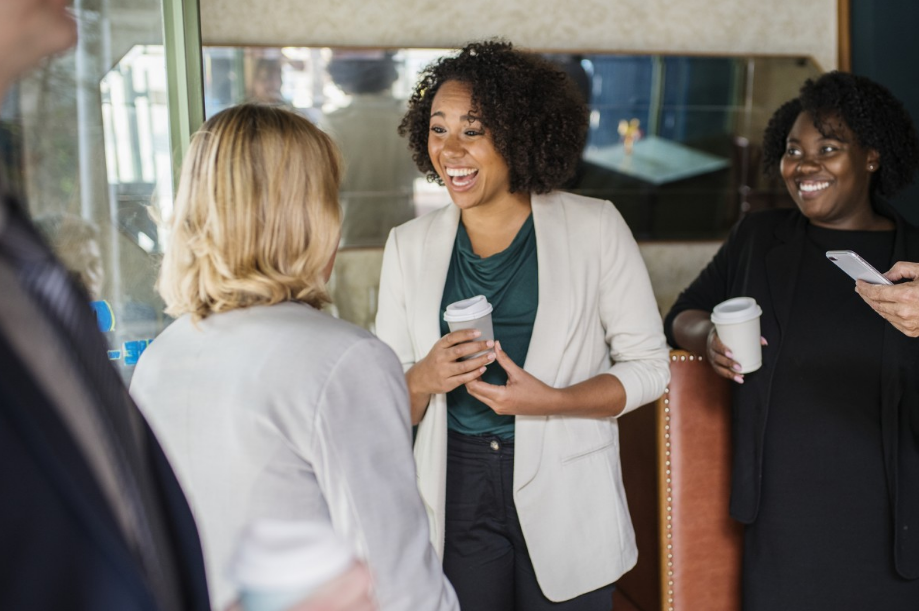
(136, 122)
(377, 190)
(76, 243)
(691, 175)
(85, 145)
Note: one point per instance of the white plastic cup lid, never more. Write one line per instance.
(736, 310)
(468, 309)
(288, 554)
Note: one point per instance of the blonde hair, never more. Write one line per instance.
(256, 218)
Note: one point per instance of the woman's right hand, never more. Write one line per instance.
(694, 331)
(721, 358)
(441, 370)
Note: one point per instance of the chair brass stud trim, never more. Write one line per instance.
(669, 488)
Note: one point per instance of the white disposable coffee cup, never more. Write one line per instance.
(279, 563)
(737, 322)
(472, 313)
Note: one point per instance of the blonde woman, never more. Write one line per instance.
(268, 408)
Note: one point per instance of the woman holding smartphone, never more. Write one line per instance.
(826, 465)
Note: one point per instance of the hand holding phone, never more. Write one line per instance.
(857, 268)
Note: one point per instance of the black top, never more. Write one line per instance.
(763, 258)
(823, 463)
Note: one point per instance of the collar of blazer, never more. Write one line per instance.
(550, 329)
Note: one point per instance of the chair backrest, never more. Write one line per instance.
(689, 547)
(700, 544)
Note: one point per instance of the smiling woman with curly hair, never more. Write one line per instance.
(875, 118)
(826, 458)
(533, 111)
(517, 444)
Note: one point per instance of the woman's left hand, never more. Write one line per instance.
(523, 395)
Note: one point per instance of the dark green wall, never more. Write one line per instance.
(885, 48)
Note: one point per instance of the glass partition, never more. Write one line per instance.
(674, 141)
(85, 144)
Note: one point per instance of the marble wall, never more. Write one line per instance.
(788, 27)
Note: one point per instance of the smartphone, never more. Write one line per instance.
(857, 268)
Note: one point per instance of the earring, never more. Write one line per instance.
(871, 167)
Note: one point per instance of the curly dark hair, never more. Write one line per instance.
(534, 111)
(877, 119)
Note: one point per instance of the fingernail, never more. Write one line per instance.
(491, 356)
(736, 366)
(490, 343)
(476, 333)
(498, 346)
(482, 369)
(738, 379)
(764, 340)
(729, 354)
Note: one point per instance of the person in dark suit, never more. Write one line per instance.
(826, 462)
(91, 515)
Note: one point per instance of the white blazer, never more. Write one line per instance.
(596, 314)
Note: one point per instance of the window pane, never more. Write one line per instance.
(85, 145)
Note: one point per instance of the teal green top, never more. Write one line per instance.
(510, 281)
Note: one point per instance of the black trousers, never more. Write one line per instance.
(485, 555)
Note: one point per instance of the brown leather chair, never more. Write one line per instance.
(676, 459)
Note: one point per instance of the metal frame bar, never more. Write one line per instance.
(182, 42)
(844, 36)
